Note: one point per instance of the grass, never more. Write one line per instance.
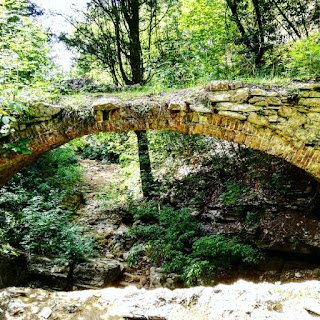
(83, 98)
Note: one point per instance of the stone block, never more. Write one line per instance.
(273, 118)
(238, 96)
(234, 115)
(107, 104)
(218, 86)
(256, 119)
(237, 107)
(309, 94)
(306, 86)
(235, 85)
(265, 93)
(266, 101)
(310, 102)
(200, 108)
(177, 105)
(287, 112)
(43, 109)
(38, 119)
(313, 117)
(98, 116)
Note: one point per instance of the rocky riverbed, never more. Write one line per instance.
(241, 300)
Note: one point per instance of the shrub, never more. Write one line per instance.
(31, 217)
(47, 230)
(173, 240)
(234, 192)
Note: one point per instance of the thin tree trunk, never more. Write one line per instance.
(146, 176)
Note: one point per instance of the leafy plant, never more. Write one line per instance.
(47, 230)
(31, 217)
(18, 147)
(174, 241)
(304, 57)
(253, 217)
(234, 192)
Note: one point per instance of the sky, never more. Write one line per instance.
(53, 19)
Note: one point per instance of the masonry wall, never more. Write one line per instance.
(284, 122)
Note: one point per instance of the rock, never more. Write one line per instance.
(264, 93)
(177, 105)
(241, 300)
(238, 96)
(310, 102)
(266, 101)
(312, 306)
(158, 279)
(200, 108)
(45, 313)
(16, 308)
(107, 104)
(218, 86)
(237, 107)
(259, 120)
(12, 270)
(43, 109)
(97, 273)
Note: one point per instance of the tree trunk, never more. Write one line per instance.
(146, 176)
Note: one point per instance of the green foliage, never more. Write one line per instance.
(196, 46)
(173, 240)
(23, 45)
(20, 147)
(47, 230)
(106, 147)
(31, 217)
(55, 172)
(10, 111)
(234, 192)
(253, 217)
(215, 251)
(280, 182)
(304, 57)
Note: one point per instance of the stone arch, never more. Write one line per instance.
(272, 120)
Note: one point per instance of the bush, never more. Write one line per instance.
(174, 241)
(31, 218)
(47, 230)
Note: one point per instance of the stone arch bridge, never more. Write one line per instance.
(284, 122)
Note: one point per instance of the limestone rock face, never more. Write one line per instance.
(242, 300)
(92, 274)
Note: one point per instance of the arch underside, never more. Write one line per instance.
(244, 133)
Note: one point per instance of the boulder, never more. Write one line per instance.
(97, 273)
(160, 279)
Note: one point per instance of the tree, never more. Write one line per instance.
(262, 24)
(120, 36)
(23, 44)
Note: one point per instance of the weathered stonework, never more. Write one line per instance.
(282, 122)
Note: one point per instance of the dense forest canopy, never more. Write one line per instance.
(179, 41)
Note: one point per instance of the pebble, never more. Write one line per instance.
(46, 312)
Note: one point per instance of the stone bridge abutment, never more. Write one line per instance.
(284, 122)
